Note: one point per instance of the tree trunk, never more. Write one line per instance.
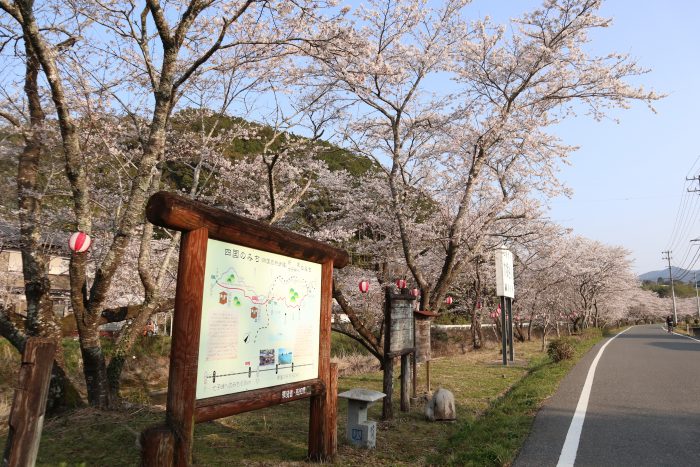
(94, 369)
(544, 335)
(127, 338)
(476, 331)
(40, 321)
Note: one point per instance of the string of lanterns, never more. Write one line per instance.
(363, 286)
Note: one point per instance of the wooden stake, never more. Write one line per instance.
(405, 383)
(29, 404)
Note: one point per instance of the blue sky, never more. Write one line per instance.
(629, 177)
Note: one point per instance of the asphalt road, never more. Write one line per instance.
(643, 409)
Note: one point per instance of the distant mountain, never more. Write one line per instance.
(678, 274)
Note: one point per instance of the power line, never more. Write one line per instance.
(687, 213)
(681, 219)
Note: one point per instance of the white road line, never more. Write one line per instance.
(573, 436)
(675, 334)
(685, 335)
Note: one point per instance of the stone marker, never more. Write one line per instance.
(359, 431)
(441, 406)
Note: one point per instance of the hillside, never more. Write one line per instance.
(679, 274)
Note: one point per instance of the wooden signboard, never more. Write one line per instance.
(400, 325)
(251, 326)
(398, 341)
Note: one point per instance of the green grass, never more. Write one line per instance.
(495, 406)
(342, 345)
(495, 438)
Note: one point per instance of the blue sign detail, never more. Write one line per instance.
(356, 434)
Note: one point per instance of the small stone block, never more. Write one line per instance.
(363, 435)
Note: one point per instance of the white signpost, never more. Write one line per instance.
(505, 288)
(504, 273)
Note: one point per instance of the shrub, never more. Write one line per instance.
(560, 349)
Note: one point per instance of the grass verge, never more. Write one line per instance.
(495, 438)
(495, 407)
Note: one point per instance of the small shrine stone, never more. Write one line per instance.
(441, 406)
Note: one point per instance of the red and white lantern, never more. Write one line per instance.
(448, 300)
(79, 242)
(401, 283)
(415, 292)
(363, 286)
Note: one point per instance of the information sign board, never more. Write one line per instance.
(260, 320)
(504, 273)
(251, 326)
(401, 325)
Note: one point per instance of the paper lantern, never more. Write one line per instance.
(401, 283)
(79, 242)
(448, 300)
(364, 286)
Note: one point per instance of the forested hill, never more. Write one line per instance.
(679, 274)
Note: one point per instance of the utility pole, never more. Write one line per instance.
(695, 190)
(695, 279)
(673, 292)
(697, 298)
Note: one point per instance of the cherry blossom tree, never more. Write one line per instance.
(190, 39)
(471, 157)
(36, 179)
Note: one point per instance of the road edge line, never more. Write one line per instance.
(573, 436)
(685, 335)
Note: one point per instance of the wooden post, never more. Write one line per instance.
(388, 382)
(388, 387)
(427, 374)
(332, 426)
(320, 419)
(182, 382)
(157, 447)
(29, 404)
(405, 383)
(413, 376)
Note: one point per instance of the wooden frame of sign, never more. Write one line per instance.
(171, 443)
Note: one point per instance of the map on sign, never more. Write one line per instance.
(260, 320)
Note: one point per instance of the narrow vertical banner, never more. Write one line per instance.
(182, 383)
